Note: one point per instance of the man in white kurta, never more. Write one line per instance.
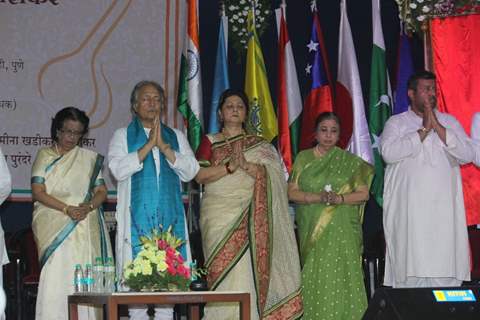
(124, 165)
(5, 188)
(424, 216)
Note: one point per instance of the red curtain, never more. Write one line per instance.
(456, 61)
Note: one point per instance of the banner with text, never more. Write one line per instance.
(88, 54)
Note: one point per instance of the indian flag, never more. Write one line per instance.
(190, 86)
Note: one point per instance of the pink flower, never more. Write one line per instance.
(183, 271)
(171, 270)
(162, 244)
(171, 261)
(171, 253)
(180, 259)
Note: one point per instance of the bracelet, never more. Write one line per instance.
(91, 206)
(343, 198)
(229, 171)
(65, 210)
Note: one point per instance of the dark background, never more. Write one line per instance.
(299, 23)
(16, 216)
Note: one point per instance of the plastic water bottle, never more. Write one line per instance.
(78, 278)
(98, 275)
(88, 278)
(109, 275)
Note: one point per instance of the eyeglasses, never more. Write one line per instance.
(150, 99)
(71, 133)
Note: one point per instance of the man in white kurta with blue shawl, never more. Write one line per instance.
(149, 160)
(424, 215)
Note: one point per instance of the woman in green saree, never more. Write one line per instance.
(330, 187)
(68, 191)
(247, 234)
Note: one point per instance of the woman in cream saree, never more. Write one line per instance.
(330, 186)
(68, 224)
(247, 233)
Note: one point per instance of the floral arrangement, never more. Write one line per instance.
(414, 12)
(158, 265)
(237, 12)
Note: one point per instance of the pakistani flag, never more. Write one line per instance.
(380, 100)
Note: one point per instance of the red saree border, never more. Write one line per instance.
(260, 236)
(221, 150)
(228, 253)
(291, 308)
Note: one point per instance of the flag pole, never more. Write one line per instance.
(222, 9)
(283, 8)
(254, 3)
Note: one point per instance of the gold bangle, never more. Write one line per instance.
(91, 206)
(65, 210)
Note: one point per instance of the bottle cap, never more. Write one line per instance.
(199, 285)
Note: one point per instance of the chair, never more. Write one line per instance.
(31, 276)
(22, 275)
(374, 263)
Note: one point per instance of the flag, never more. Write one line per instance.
(262, 119)
(320, 97)
(190, 86)
(220, 81)
(380, 99)
(454, 52)
(349, 97)
(404, 71)
(289, 99)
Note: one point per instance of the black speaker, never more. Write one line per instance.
(421, 303)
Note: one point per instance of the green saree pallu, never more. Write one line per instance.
(330, 237)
